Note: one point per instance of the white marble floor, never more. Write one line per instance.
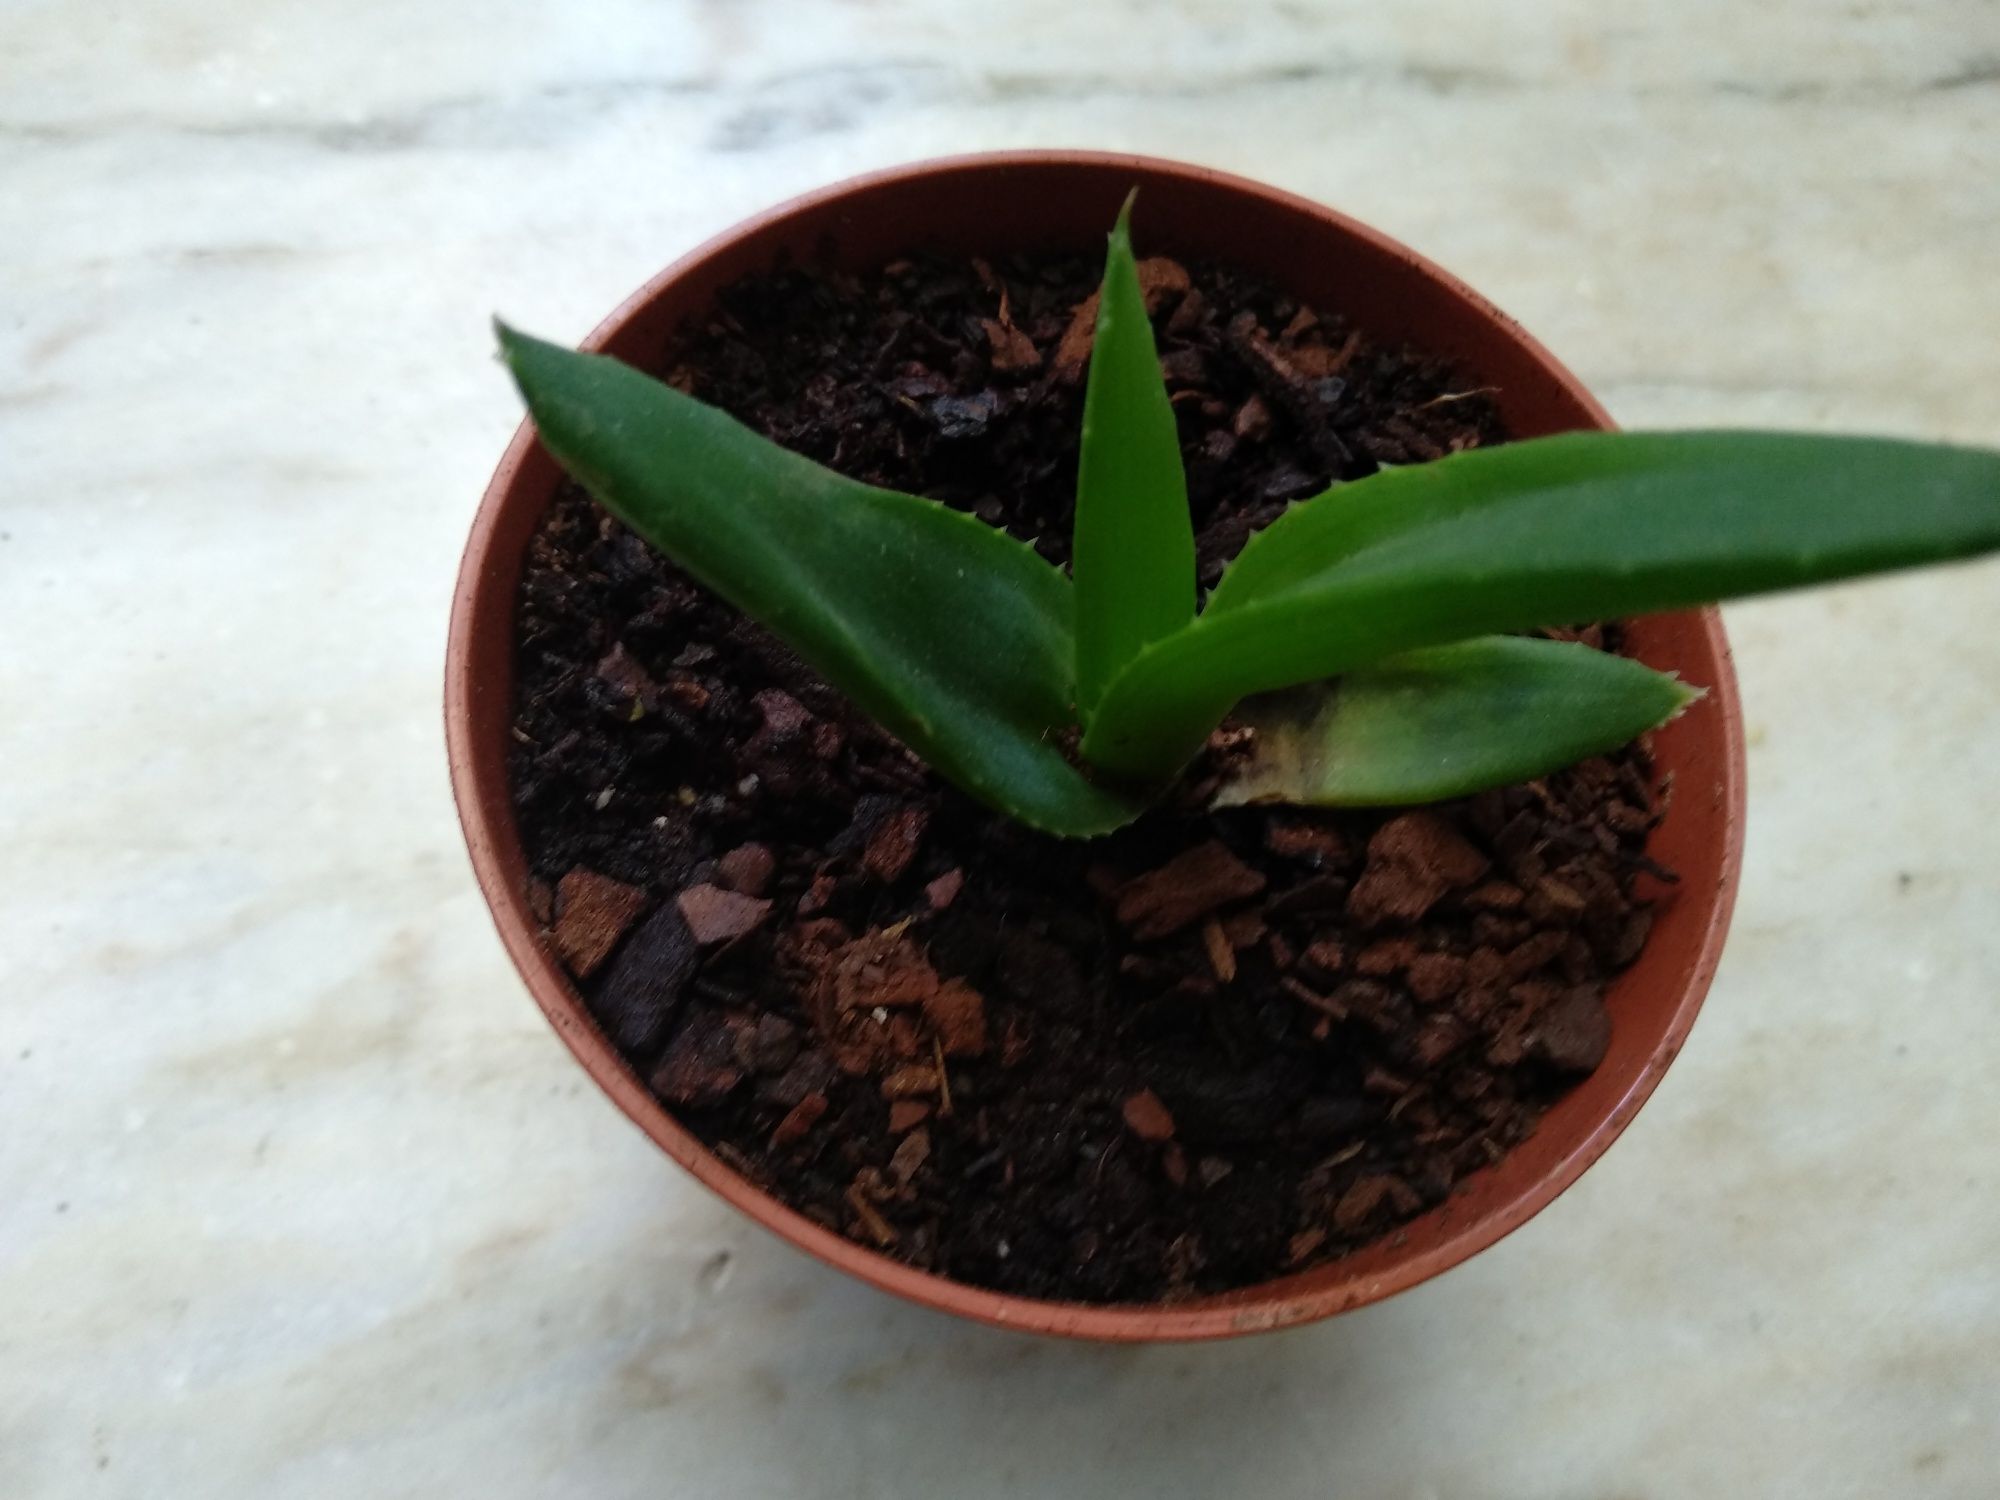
(297, 1194)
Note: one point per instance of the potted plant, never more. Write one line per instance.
(1149, 965)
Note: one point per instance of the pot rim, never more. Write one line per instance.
(485, 813)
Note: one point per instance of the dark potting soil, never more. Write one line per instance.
(1203, 1052)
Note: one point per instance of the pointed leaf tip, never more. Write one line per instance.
(1132, 552)
(508, 337)
(1122, 227)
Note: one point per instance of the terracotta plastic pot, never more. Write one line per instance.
(992, 205)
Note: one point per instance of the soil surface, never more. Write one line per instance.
(1198, 1054)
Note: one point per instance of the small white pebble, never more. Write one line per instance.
(881, 1014)
(604, 799)
(746, 786)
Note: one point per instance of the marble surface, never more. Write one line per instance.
(298, 1195)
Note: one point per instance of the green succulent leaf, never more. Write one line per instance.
(1133, 556)
(953, 636)
(1587, 526)
(1445, 721)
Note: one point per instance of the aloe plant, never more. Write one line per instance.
(1374, 628)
